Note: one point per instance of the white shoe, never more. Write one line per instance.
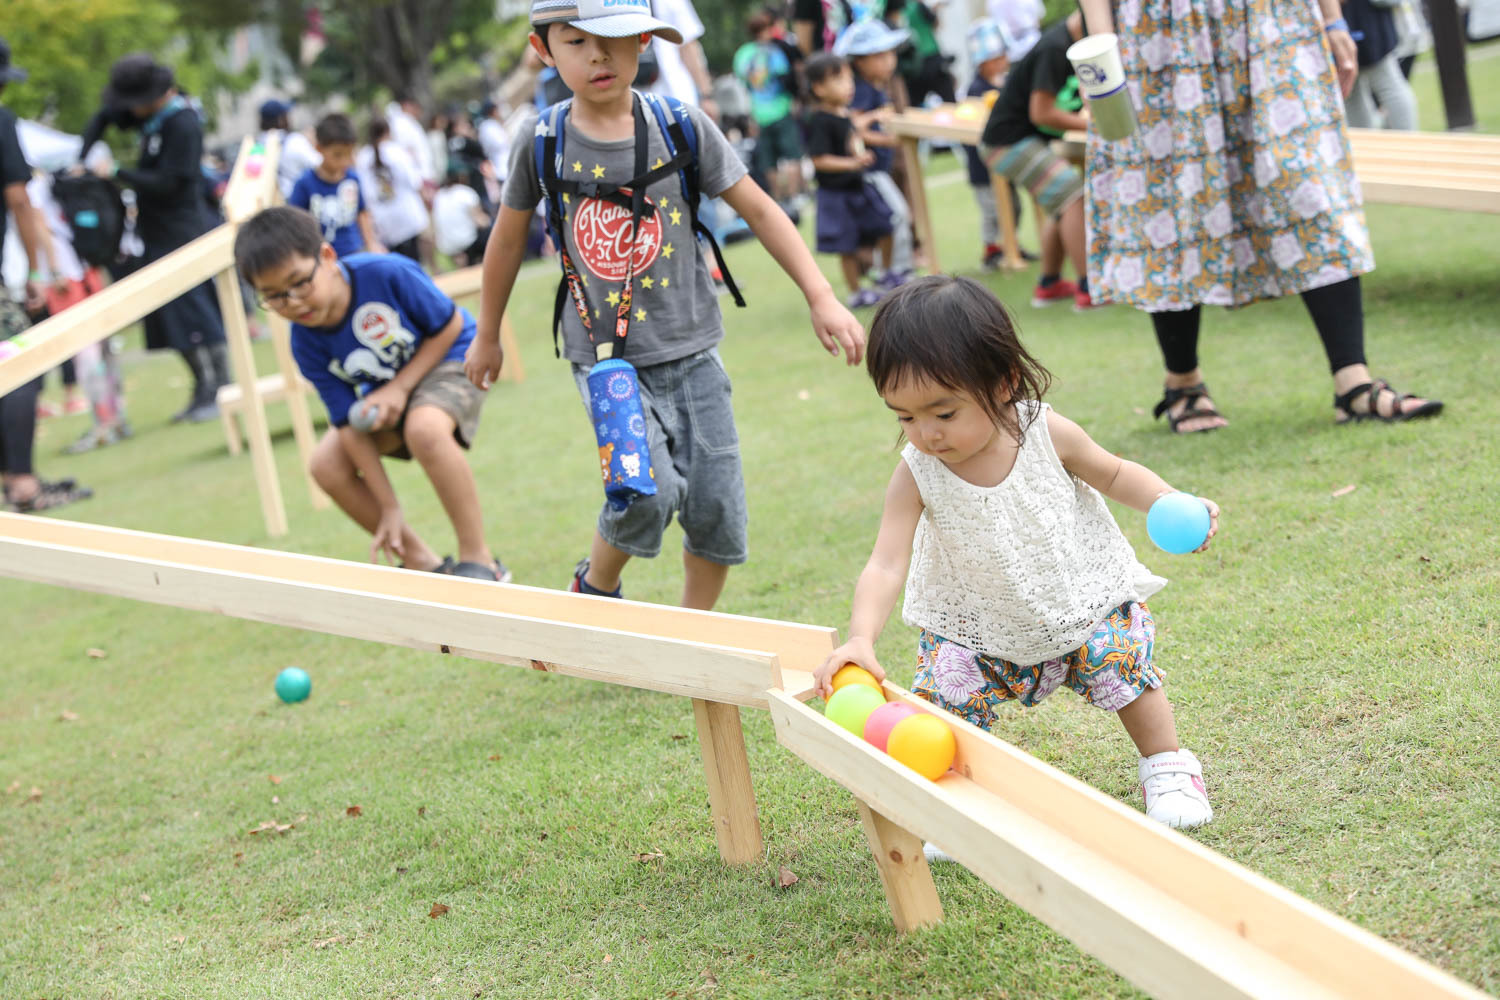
(933, 852)
(1172, 784)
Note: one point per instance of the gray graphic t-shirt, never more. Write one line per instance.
(674, 311)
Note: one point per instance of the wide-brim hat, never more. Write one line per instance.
(868, 38)
(9, 73)
(136, 79)
(605, 18)
(987, 40)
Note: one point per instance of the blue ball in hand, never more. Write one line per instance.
(1178, 523)
(362, 417)
(293, 685)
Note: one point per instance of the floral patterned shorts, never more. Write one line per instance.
(1110, 670)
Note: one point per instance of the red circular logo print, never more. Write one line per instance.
(601, 234)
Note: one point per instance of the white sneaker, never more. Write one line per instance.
(933, 852)
(1172, 784)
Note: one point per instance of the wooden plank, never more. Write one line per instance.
(465, 282)
(798, 648)
(726, 767)
(909, 889)
(1440, 197)
(252, 409)
(921, 216)
(55, 340)
(655, 663)
(1168, 914)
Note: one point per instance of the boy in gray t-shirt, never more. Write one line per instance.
(674, 322)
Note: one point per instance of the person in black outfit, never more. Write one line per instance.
(24, 491)
(168, 183)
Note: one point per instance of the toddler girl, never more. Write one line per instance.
(1015, 572)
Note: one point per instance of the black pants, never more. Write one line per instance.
(1337, 311)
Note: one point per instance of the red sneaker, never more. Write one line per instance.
(1083, 302)
(1060, 290)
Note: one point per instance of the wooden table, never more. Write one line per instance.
(962, 123)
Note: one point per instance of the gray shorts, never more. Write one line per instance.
(449, 389)
(695, 453)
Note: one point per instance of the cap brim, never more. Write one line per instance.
(625, 25)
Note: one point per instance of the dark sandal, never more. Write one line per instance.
(443, 568)
(1344, 412)
(1196, 407)
(475, 571)
(51, 496)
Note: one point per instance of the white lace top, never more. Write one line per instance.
(1024, 570)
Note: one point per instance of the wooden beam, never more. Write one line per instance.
(1170, 915)
(55, 340)
(921, 215)
(1005, 209)
(465, 282)
(798, 648)
(731, 796)
(909, 889)
(252, 409)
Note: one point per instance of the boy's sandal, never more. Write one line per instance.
(1197, 407)
(51, 496)
(475, 571)
(1344, 412)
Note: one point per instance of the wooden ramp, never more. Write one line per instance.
(1453, 170)
(1168, 914)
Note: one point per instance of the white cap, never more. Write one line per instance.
(605, 18)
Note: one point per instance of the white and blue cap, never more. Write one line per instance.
(986, 41)
(868, 38)
(605, 18)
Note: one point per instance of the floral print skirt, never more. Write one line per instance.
(1110, 670)
(1238, 184)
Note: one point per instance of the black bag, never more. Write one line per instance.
(94, 212)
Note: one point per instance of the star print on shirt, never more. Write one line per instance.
(613, 298)
(577, 166)
(658, 164)
(640, 315)
(665, 282)
(566, 199)
(647, 282)
(676, 217)
(598, 171)
(668, 250)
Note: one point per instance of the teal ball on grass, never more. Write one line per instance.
(293, 685)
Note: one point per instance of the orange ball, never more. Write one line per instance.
(853, 673)
(923, 743)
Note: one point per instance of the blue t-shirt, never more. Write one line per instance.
(336, 206)
(868, 97)
(393, 307)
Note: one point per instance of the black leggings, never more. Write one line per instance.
(1337, 311)
(18, 428)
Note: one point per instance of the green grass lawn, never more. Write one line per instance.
(1332, 659)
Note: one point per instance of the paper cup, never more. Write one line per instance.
(1101, 76)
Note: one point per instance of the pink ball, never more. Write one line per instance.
(881, 721)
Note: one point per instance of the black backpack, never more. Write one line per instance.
(94, 212)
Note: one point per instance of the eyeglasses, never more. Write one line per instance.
(296, 290)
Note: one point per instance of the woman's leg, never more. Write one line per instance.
(1395, 95)
(1337, 311)
(1177, 336)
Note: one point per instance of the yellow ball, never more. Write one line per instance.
(851, 673)
(923, 743)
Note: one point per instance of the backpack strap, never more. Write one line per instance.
(547, 145)
(682, 138)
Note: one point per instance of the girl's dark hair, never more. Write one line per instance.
(270, 238)
(380, 131)
(954, 332)
(822, 66)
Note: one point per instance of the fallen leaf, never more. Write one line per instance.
(543, 835)
(1344, 491)
(678, 736)
(494, 756)
(271, 826)
(1139, 411)
(438, 909)
(68, 716)
(1425, 559)
(402, 871)
(325, 942)
(353, 811)
(35, 795)
(180, 939)
(421, 810)
(145, 897)
(15, 786)
(274, 779)
(785, 877)
(608, 959)
(239, 857)
(302, 818)
(344, 704)
(276, 800)
(651, 856)
(804, 395)
(710, 981)
(96, 654)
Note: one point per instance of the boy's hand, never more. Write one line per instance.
(857, 651)
(482, 361)
(836, 328)
(388, 536)
(390, 399)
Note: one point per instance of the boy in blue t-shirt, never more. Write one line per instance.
(331, 192)
(384, 348)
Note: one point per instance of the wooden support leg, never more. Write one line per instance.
(1005, 208)
(227, 283)
(903, 871)
(920, 216)
(731, 797)
(513, 369)
(296, 401)
(231, 430)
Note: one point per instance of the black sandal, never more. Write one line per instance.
(1344, 412)
(1197, 407)
(50, 496)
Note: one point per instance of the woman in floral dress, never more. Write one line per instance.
(1237, 186)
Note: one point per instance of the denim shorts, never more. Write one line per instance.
(695, 453)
